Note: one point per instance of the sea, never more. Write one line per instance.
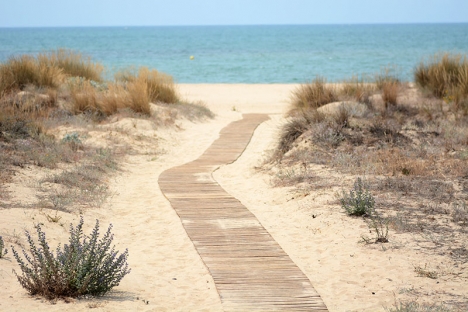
(249, 54)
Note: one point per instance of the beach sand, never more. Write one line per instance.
(167, 273)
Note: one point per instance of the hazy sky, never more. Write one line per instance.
(32, 13)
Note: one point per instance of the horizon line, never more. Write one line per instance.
(237, 25)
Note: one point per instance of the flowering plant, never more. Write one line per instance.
(85, 266)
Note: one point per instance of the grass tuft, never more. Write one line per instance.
(159, 86)
(313, 95)
(445, 76)
(72, 64)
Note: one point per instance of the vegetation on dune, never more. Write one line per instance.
(63, 89)
(159, 86)
(445, 76)
(410, 144)
(313, 95)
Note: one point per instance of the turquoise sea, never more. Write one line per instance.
(248, 54)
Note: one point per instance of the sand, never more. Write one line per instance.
(167, 273)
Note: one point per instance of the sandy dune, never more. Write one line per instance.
(167, 273)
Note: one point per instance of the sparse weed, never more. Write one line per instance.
(86, 265)
(425, 272)
(418, 307)
(357, 88)
(460, 213)
(3, 250)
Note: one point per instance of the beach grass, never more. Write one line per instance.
(445, 76)
(160, 87)
(313, 95)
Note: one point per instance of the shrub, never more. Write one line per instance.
(359, 202)
(3, 250)
(84, 266)
(313, 95)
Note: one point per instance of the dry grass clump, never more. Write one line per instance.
(357, 88)
(445, 76)
(390, 92)
(72, 64)
(159, 86)
(442, 73)
(313, 95)
(46, 70)
(21, 71)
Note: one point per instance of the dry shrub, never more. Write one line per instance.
(72, 64)
(443, 74)
(313, 95)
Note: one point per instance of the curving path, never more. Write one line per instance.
(250, 270)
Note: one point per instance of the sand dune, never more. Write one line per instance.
(167, 273)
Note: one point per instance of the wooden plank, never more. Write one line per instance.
(250, 270)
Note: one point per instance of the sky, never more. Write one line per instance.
(70, 13)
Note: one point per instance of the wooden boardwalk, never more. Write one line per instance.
(250, 270)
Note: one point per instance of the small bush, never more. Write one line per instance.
(3, 250)
(313, 95)
(84, 266)
(359, 202)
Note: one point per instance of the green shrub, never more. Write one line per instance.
(84, 266)
(359, 202)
